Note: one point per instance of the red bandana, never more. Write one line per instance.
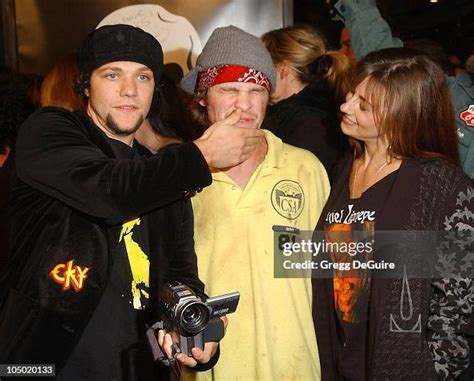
(230, 73)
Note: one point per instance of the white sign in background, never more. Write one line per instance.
(177, 36)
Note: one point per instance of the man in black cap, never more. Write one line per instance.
(99, 224)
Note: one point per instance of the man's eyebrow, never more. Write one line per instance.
(114, 68)
(117, 68)
(145, 68)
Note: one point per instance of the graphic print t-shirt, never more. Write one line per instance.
(348, 224)
(113, 344)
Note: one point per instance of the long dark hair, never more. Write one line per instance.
(411, 101)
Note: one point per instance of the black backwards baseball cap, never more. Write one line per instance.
(120, 42)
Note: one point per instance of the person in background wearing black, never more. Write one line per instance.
(311, 84)
(404, 176)
(99, 224)
(171, 123)
(15, 107)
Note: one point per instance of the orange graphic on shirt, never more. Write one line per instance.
(346, 294)
(351, 287)
(67, 274)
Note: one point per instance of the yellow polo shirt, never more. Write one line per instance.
(271, 336)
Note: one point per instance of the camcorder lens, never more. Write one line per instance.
(194, 317)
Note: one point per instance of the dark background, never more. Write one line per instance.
(450, 22)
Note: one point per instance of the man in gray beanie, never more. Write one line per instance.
(99, 224)
(275, 194)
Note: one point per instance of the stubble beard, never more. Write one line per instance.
(113, 126)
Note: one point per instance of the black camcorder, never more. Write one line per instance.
(190, 321)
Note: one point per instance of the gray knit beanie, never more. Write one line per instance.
(232, 46)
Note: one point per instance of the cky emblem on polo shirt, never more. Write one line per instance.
(69, 275)
(288, 199)
(468, 116)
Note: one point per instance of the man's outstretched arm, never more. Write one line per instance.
(368, 30)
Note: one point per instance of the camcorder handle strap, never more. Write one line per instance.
(158, 355)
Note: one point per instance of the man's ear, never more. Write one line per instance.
(203, 102)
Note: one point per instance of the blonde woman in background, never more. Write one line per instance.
(311, 83)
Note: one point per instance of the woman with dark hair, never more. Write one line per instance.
(311, 83)
(369, 32)
(395, 307)
(169, 121)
